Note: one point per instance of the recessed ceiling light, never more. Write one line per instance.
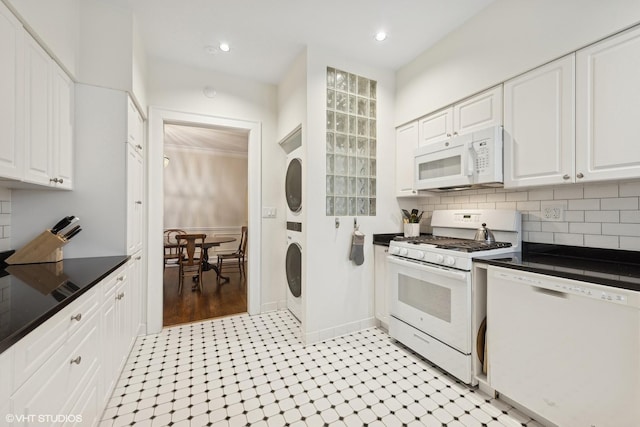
(225, 47)
(381, 36)
(211, 50)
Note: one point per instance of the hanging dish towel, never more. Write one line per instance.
(357, 247)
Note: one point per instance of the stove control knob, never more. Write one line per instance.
(418, 255)
(449, 260)
(404, 251)
(439, 258)
(394, 250)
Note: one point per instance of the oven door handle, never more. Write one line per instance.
(453, 274)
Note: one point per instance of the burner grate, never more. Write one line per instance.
(454, 244)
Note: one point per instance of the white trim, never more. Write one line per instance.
(157, 118)
(214, 151)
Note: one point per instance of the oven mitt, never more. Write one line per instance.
(357, 248)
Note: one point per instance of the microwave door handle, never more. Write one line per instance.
(470, 159)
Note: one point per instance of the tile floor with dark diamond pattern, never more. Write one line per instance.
(253, 371)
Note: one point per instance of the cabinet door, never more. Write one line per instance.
(38, 150)
(478, 112)
(135, 192)
(406, 143)
(436, 127)
(62, 128)
(608, 108)
(137, 291)
(135, 133)
(381, 284)
(11, 95)
(539, 125)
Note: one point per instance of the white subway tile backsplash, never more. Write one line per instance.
(621, 229)
(623, 203)
(540, 237)
(517, 197)
(602, 216)
(600, 241)
(630, 243)
(461, 199)
(5, 219)
(629, 189)
(585, 228)
(6, 231)
(574, 216)
(555, 227)
(568, 192)
(584, 205)
(541, 194)
(496, 197)
(476, 198)
(506, 205)
(531, 226)
(486, 205)
(528, 206)
(447, 199)
(630, 216)
(568, 239)
(600, 191)
(5, 207)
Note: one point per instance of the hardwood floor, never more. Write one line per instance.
(215, 300)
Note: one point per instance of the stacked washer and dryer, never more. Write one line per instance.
(292, 145)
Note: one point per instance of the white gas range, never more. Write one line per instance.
(431, 285)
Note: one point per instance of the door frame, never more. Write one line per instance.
(157, 118)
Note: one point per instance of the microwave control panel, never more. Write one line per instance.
(483, 156)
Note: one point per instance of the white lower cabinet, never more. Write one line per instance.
(380, 284)
(63, 372)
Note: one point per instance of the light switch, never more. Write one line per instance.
(268, 212)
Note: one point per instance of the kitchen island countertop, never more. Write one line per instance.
(28, 298)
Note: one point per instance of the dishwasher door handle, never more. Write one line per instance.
(550, 292)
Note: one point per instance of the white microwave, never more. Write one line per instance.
(472, 160)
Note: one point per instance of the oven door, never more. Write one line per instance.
(444, 164)
(433, 299)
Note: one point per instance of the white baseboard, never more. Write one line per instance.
(344, 329)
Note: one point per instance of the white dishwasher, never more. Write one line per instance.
(567, 350)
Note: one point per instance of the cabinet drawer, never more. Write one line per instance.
(56, 384)
(38, 346)
(85, 404)
(110, 283)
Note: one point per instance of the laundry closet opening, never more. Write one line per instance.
(205, 189)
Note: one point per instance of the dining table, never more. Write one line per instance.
(209, 243)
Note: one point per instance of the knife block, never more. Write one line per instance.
(46, 247)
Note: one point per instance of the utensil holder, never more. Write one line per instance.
(411, 229)
(46, 247)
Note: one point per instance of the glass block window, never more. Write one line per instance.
(350, 144)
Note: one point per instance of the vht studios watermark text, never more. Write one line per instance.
(43, 418)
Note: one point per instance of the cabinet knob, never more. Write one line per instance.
(448, 135)
(77, 360)
(580, 175)
(60, 180)
(455, 133)
(565, 176)
(139, 147)
(53, 180)
(138, 257)
(77, 317)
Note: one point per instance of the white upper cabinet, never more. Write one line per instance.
(48, 148)
(539, 125)
(608, 108)
(480, 111)
(406, 143)
(135, 127)
(11, 95)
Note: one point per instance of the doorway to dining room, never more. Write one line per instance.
(205, 190)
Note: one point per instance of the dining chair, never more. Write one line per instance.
(236, 258)
(172, 250)
(189, 263)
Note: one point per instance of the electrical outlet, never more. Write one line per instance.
(553, 213)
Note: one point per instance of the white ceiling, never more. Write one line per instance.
(266, 35)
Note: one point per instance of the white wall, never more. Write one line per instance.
(57, 24)
(179, 88)
(505, 39)
(339, 294)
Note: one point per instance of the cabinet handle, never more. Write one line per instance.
(120, 278)
(422, 339)
(53, 180)
(455, 134)
(580, 175)
(77, 317)
(138, 258)
(448, 135)
(138, 202)
(565, 176)
(77, 360)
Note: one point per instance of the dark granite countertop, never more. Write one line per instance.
(385, 238)
(31, 294)
(609, 267)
